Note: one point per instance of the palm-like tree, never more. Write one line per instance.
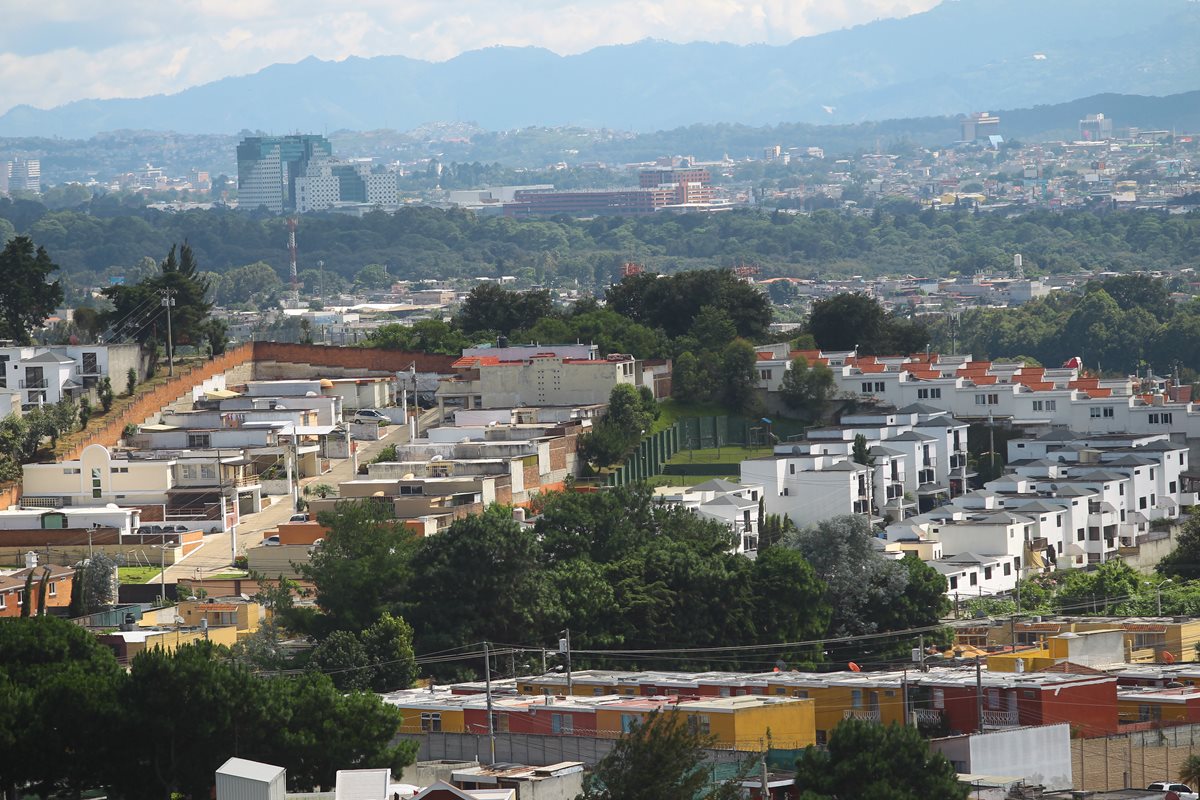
(1189, 772)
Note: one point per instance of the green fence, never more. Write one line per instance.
(693, 433)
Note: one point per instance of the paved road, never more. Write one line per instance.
(214, 557)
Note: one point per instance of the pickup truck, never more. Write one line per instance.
(1180, 790)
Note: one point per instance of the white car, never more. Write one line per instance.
(298, 518)
(1181, 790)
(272, 541)
(370, 415)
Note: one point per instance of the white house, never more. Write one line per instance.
(733, 504)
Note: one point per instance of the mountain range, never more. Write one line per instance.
(960, 56)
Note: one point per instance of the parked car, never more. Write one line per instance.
(298, 518)
(370, 415)
(1181, 790)
(272, 541)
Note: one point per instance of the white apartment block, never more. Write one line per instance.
(1070, 500)
(44, 375)
(918, 454)
(1026, 397)
(734, 505)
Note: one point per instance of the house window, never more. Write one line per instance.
(53, 589)
(1051, 405)
(821, 738)
(1160, 418)
(1108, 411)
(1142, 502)
(188, 471)
(953, 581)
(866, 387)
(765, 374)
(1037, 405)
(199, 440)
(879, 387)
(1094, 412)
(856, 698)
(1171, 487)
(987, 573)
(974, 579)
(791, 469)
(628, 721)
(935, 393)
(208, 472)
(802, 693)
(562, 723)
(1007, 570)
(71, 471)
(699, 723)
(431, 722)
(97, 490)
(3, 599)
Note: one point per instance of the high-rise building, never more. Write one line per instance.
(1095, 128)
(326, 183)
(22, 174)
(268, 167)
(979, 125)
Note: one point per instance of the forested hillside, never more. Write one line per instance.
(101, 240)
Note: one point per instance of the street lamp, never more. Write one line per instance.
(1158, 595)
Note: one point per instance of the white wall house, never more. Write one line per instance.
(733, 504)
(45, 375)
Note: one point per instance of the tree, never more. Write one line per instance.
(861, 453)
(85, 411)
(131, 380)
(806, 388)
(738, 376)
(857, 578)
(789, 599)
(27, 296)
(659, 758)
(254, 283)
(688, 383)
(342, 656)
(491, 308)
(92, 588)
(353, 598)
(373, 276)
(1184, 561)
(1189, 771)
(106, 394)
(865, 759)
(712, 328)
(848, 321)
(87, 322)
(138, 312)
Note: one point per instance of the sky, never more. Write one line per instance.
(55, 51)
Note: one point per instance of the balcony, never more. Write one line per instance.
(928, 716)
(958, 461)
(863, 714)
(35, 384)
(1000, 719)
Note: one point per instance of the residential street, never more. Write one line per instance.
(214, 558)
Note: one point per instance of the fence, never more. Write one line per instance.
(692, 433)
(1132, 760)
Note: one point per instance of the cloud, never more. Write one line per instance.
(55, 51)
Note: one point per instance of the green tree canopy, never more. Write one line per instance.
(865, 759)
(27, 296)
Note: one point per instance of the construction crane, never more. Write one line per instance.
(293, 272)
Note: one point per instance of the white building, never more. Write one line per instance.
(545, 379)
(734, 505)
(45, 375)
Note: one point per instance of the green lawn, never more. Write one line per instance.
(137, 574)
(728, 454)
(671, 411)
(227, 576)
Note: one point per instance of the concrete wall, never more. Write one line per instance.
(529, 748)
(1132, 760)
(1040, 755)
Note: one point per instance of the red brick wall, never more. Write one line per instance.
(1090, 708)
(365, 358)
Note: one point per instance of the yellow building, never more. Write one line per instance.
(736, 723)
(243, 616)
(1176, 706)
(875, 697)
(1147, 640)
(428, 712)
(127, 644)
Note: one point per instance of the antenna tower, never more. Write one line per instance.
(294, 274)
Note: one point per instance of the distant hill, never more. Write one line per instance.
(962, 55)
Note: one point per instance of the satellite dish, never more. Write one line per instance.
(179, 620)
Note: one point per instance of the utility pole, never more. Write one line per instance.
(564, 646)
(487, 678)
(979, 691)
(168, 302)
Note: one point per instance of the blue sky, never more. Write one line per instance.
(55, 51)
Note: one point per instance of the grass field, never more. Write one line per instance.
(728, 454)
(137, 574)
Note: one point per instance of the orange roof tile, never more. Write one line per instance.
(1097, 393)
(871, 369)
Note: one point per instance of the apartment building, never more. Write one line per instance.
(547, 378)
(734, 505)
(207, 491)
(44, 375)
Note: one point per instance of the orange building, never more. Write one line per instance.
(59, 581)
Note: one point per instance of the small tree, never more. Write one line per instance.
(660, 758)
(862, 453)
(1189, 772)
(106, 395)
(807, 389)
(130, 381)
(85, 411)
